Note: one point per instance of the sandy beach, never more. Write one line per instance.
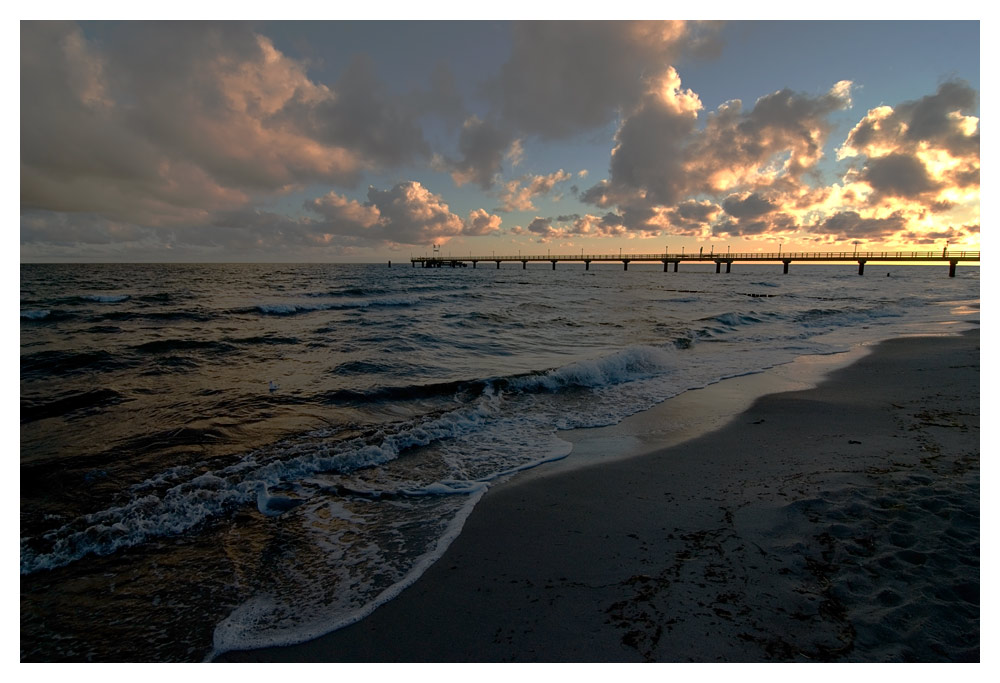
(835, 523)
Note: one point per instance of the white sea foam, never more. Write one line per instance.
(496, 364)
(186, 505)
(289, 308)
(629, 364)
(246, 627)
(106, 298)
(35, 315)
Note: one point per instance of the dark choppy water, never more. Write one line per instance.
(221, 456)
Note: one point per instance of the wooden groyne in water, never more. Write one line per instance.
(952, 258)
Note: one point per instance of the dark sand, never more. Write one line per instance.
(839, 523)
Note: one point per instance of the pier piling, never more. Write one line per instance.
(952, 258)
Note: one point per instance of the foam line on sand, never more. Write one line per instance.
(837, 523)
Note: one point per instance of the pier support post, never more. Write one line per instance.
(587, 264)
(861, 266)
(718, 266)
(524, 265)
(625, 261)
(786, 262)
(666, 264)
(498, 265)
(676, 263)
(474, 264)
(553, 265)
(729, 266)
(951, 268)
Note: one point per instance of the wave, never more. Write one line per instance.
(105, 298)
(266, 340)
(187, 505)
(67, 404)
(627, 365)
(348, 291)
(734, 319)
(172, 345)
(59, 362)
(299, 308)
(45, 315)
(165, 316)
(463, 390)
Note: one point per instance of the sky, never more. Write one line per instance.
(367, 141)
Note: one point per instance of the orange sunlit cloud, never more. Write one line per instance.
(263, 139)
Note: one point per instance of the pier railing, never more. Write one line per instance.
(952, 258)
(938, 255)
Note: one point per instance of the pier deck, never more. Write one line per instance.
(952, 258)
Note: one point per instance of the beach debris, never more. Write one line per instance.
(272, 386)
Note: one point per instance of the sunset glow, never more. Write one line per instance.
(319, 141)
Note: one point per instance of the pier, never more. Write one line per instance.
(944, 256)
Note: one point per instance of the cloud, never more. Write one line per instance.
(573, 225)
(407, 213)
(483, 146)
(480, 222)
(564, 77)
(517, 194)
(924, 150)
(849, 225)
(676, 169)
(649, 155)
(662, 156)
(165, 123)
(380, 129)
(747, 205)
(898, 175)
(691, 218)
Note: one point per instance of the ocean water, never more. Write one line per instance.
(217, 457)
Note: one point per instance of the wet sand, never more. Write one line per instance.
(837, 523)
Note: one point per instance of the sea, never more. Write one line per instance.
(218, 457)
